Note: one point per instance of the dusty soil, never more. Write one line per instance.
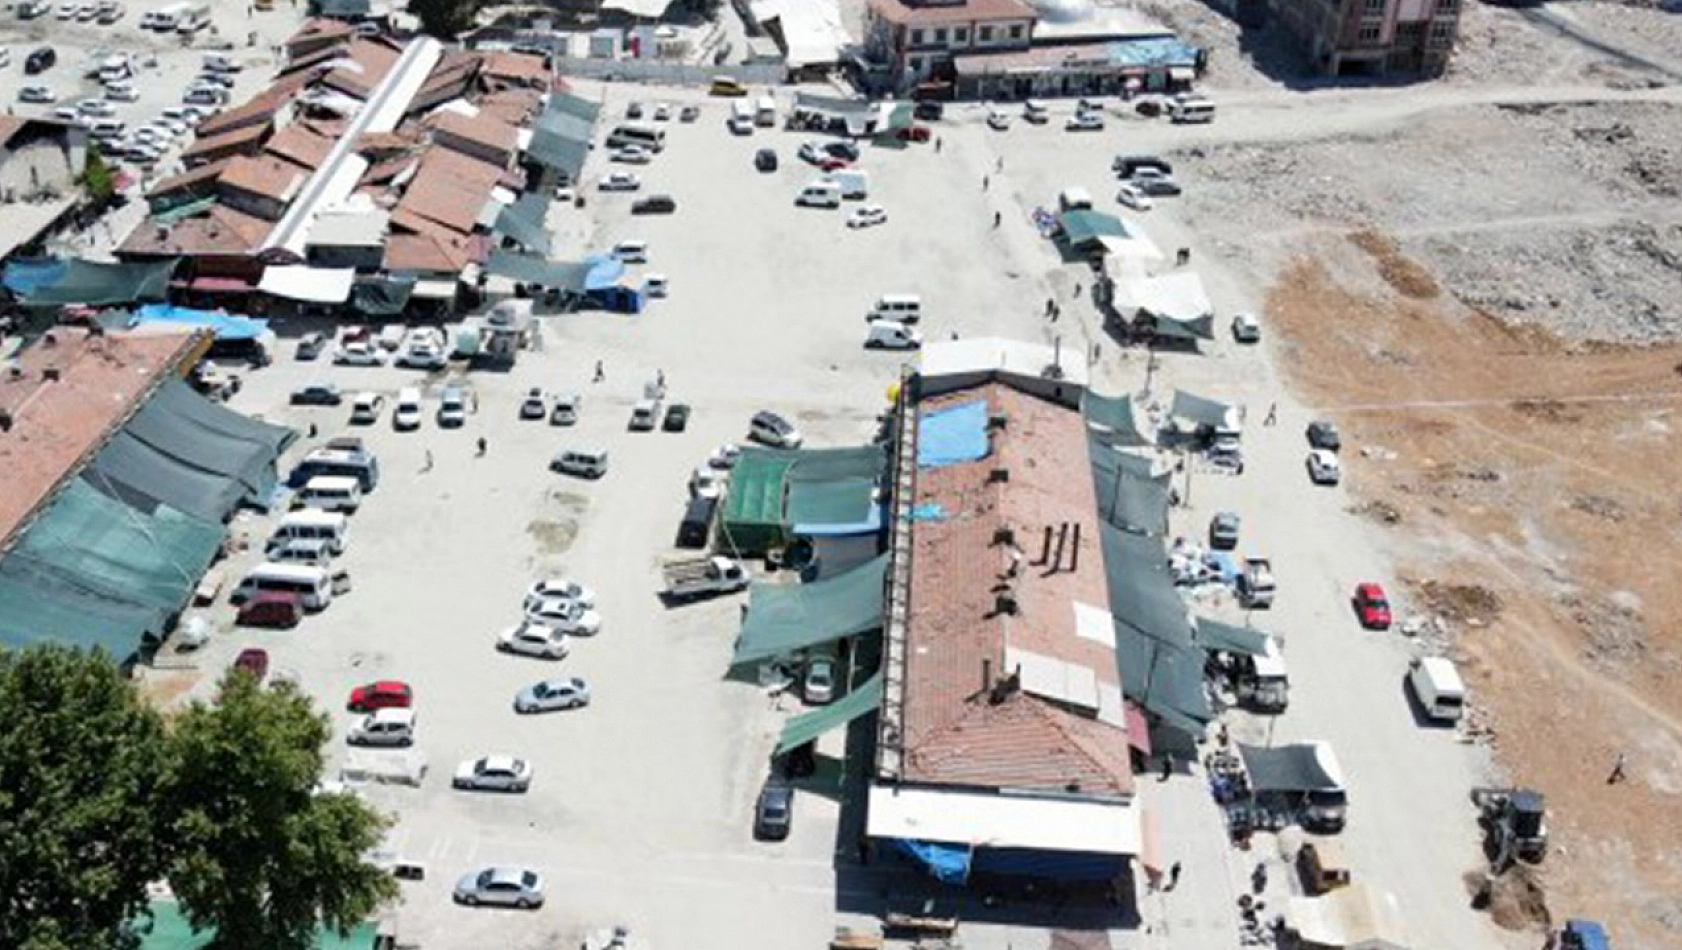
(1529, 486)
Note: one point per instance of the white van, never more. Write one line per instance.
(741, 112)
(313, 585)
(891, 335)
(1192, 109)
(650, 138)
(820, 194)
(313, 524)
(644, 415)
(1075, 198)
(220, 63)
(765, 112)
(1437, 686)
(1266, 686)
(901, 308)
(631, 252)
(316, 552)
(330, 493)
(854, 182)
(407, 415)
(584, 463)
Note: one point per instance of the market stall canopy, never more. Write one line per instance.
(1177, 298)
(1203, 411)
(1215, 635)
(569, 276)
(524, 222)
(1353, 917)
(1116, 417)
(1305, 767)
(308, 284)
(228, 327)
(1087, 230)
(785, 618)
(985, 819)
(1142, 593)
(381, 297)
(1130, 495)
(865, 698)
(98, 284)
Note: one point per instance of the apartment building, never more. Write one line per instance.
(918, 39)
(1373, 37)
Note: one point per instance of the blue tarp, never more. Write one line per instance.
(23, 276)
(1153, 51)
(952, 434)
(228, 326)
(947, 863)
(870, 524)
(605, 271)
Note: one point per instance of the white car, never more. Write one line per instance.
(866, 216)
(1132, 197)
(387, 727)
(508, 887)
(67, 11)
(560, 588)
(564, 616)
(812, 152)
(96, 107)
(86, 12)
(497, 773)
(122, 92)
(534, 639)
(1246, 328)
(69, 114)
(358, 353)
(998, 121)
(663, 112)
(550, 695)
(37, 94)
(725, 456)
(632, 155)
(620, 181)
(1323, 467)
(174, 128)
(773, 430)
(1084, 122)
(423, 354)
(707, 482)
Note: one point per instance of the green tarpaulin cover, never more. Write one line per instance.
(865, 699)
(1115, 414)
(785, 618)
(558, 152)
(1083, 227)
(524, 221)
(105, 285)
(169, 930)
(753, 511)
(1200, 410)
(1215, 635)
(1129, 496)
(569, 104)
(381, 298)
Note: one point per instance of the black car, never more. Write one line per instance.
(40, 61)
(928, 111)
(1323, 435)
(654, 204)
(677, 417)
(846, 150)
(773, 816)
(765, 159)
(310, 346)
(317, 394)
(1126, 165)
(633, 111)
(1156, 187)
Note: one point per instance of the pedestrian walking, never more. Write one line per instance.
(937, 144)
(985, 181)
(482, 445)
(1174, 876)
(475, 402)
(1167, 768)
(428, 466)
(660, 379)
(1000, 166)
(1617, 771)
(997, 218)
(1094, 352)
(1077, 291)
(601, 373)
(1272, 414)
(1049, 303)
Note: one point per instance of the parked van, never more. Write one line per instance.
(317, 552)
(631, 251)
(452, 407)
(891, 335)
(696, 527)
(1264, 685)
(645, 415)
(725, 86)
(312, 585)
(652, 139)
(1438, 687)
(220, 63)
(583, 463)
(164, 18)
(361, 465)
(1075, 198)
(193, 19)
(765, 112)
(741, 113)
(820, 194)
(902, 308)
(312, 525)
(854, 182)
(365, 409)
(1192, 110)
(407, 415)
(330, 493)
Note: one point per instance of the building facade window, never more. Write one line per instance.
(916, 37)
(961, 35)
(1016, 31)
(1371, 32)
(1442, 33)
(984, 34)
(1447, 7)
(940, 35)
(1374, 7)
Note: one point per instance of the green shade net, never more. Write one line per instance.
(1081, 227)
(785, 618)
(169, 930)
(534, 269)
(524, 222)
(866, 698)
(753, 512)
(381, 298)
(1115, 415)
(105, 285)
(1214, 635)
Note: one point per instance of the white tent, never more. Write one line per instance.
(1348, 918)
(1178, 296)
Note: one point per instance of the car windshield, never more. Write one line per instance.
(528, 879)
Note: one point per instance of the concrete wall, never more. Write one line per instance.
(671, 74)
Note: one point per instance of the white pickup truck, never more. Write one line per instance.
(704, 577)
(1255, 583)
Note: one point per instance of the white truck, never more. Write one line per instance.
(193, 19)
(1255, 584)
(704, 577)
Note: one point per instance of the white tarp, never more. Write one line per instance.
(407, 767)
(989, 355)
(1178, 296)
(308, 284)
(1348, 918)
(1004, 821)
(812, 30)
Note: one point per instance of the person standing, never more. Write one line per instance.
(1174, 876)
(428, 466)
(1617, 771)
(601, 373)
(482, 445)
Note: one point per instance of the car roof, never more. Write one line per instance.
(393, 715)
(499, 762)
(507, 875)
(389, 686)
(1371, 588)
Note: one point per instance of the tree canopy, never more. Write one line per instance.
(443, 18)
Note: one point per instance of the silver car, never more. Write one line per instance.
(550, 695)
(533, 639)
(508, 887)
(497, 773)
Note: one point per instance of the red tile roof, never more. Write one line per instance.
(450, 189)
(514, 106)
(301, 145)
(266, 176)
(259, 109)
(370, 61)
(245, 140)
(895, 11)
(432, 249)
(202, 175)
(518, 68)
(220, 232)
(957, 732)
(479, 129)
(56, 425)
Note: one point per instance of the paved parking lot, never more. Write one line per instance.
(641, 807)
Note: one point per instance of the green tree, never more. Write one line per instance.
(444, 18)
(97, 179)
(81, 768)
(260, 857)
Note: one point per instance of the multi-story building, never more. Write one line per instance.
(917, 39)
(1372, 37)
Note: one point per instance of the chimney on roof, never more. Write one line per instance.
(49, 338)
(998, 475)
(1004, 602)
(1074, 550)
(1006, 685)
(50, 374)
(1004, 535)
(997, 422)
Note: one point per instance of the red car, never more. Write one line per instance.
(271, 608)
(253, 661)
(384, 694)
(1372, 607)
(831, 164)
(914, 133)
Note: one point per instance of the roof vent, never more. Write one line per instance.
(49, 338)
(51, 374)
(1000, 474)
(1004, 602)
(1004, 534)
(14, 370)
(5, 420)
(997, 421)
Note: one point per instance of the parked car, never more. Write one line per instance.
(677, 417)
(1246, 328)
(654, 204)
(317, 394)
(1156, 186)
(254, 661)
(725, 456)
(1372, 607)
(358, 353)
(559, 588)
(998, 121)
(773, 814)
(631, 155)
(40, 61)
(662, 112)
(1323, 435)
(550, 695)
(811, 152)
(1126, 165)
(725, 86)
(656, 285)
(818, 685)
(564, 616)
(499, 773)
(831, 163)
(1130, 196)
(633, 110)
(533, 639)
(310, 346)
(565, 411)
(706, 482)
(535, 405)
(122, 92)
(689, 113)
(1084, 122)
(366, 409)
(620, 181)
(1223, 530)
(506, 887)
(845, 150)
(773, 430)
(37, 94)
(765, 160)
(273, 610)
(387, 726)
(1323, 467)
(380, 694)
(867, 216)
(98, 108)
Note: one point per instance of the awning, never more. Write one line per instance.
(1129, 495)
(1178, 296)
(97, 284)
(1351, 917)
(220, 285)
(308, 284)
(563, 154)
(1202, 411)
(381, 298)
(785, 618)
(1142, 593)
(434, 290)
(980, 819)
(523, 221)
(200, 434)
(1138, 729)
(1305, 767)
(865, 698)
(1214, 635)
(227, 326)
(22, 276)
(536, 269)
(1116, 416)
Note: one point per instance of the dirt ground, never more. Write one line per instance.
(1529, 483)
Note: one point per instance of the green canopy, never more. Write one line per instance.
(98, 284)
(1129, 495)
(753, 511)
(1084, 227)
(785, 618)
(1115, 415)
(535, 269)
(378, 297)
(169, 930)
(568, 104)
(1214, 635)
(1200, 410)
(1163, 678)
(185, 210)
(524, 221)
(563, 154)
(865, 699)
